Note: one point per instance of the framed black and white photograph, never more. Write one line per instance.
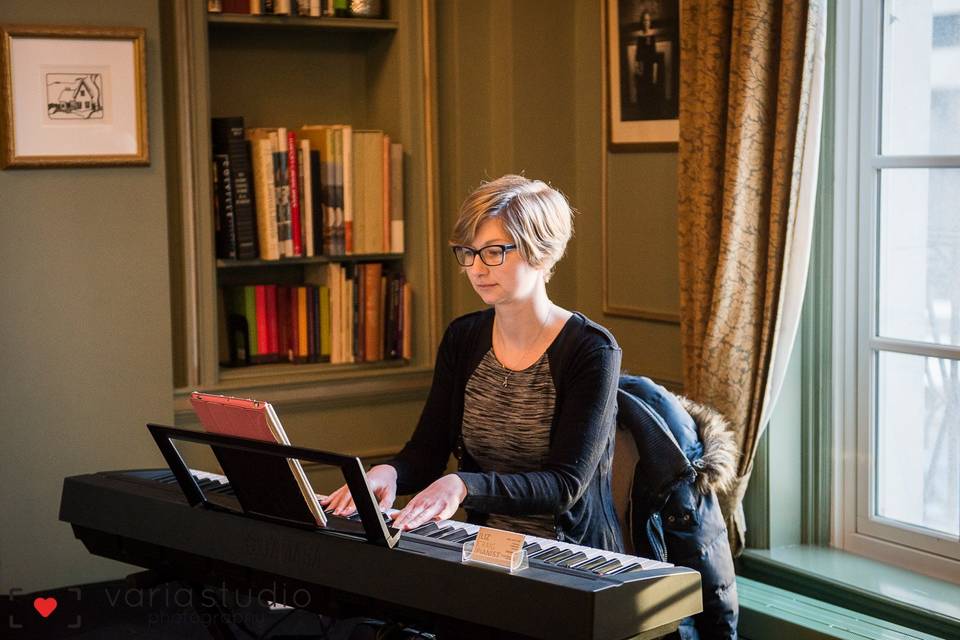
(73, 96)
(643, 47)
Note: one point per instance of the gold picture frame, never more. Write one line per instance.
(643, 74)
(73, 96)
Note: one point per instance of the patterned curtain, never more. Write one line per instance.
(750, 105)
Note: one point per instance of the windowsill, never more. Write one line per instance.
(859, 584)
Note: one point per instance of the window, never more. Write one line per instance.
(897, 293)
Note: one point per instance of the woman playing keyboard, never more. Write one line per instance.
(523, 393)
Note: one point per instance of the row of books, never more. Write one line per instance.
(305, 8)
(342, 314)
(322, 190)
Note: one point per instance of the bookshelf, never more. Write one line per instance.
(283, 71)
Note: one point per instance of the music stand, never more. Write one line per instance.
(373, 528)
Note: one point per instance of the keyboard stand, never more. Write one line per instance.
(374, 529)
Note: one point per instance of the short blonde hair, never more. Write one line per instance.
(537, 217)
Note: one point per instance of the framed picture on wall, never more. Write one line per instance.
(73, 96)
(643, 73)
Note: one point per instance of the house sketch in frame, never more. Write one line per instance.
(74, 96)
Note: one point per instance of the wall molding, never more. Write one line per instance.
(312, 395)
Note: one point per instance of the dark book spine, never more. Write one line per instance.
(354, 302)
(244, 210)
(316, 193)
(238, 332)
(223, 205)
(228, 139)
(391, 348)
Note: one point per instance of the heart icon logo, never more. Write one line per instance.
(45, 606)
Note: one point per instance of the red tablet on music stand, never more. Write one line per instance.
(268, 485)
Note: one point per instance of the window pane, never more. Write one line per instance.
(920, 111)
(919, 260)
(918, 441)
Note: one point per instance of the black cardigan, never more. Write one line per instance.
(574, 483)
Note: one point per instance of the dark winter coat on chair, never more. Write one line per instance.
(684, 454)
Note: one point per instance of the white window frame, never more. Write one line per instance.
(856, 164)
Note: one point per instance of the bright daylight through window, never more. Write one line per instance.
(905, 169)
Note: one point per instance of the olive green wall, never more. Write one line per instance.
(85, 327)
(505, 94)
(520, 91)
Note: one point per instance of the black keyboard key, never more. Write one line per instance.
(627, 569)
(543, 553)
(465, 538)
(607, 567)
(574, 559)
(424, 529)
(563, 555)
(439, 533)
(531, 547)
(590, 564)
(455, 532)
(550, 553)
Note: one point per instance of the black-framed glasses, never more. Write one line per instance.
(491, 255)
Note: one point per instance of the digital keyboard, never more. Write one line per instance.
(568, 591)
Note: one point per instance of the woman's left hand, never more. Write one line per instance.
(439, 501)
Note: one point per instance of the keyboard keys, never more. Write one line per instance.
(439, 533)
(572, 560)
(546, 556)
(607, 567)
(590, 564)
(467, 537)
(556, 558)
(424, 529)
(453, 533)
(633, 566)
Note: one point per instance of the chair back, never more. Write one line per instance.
(625, 458)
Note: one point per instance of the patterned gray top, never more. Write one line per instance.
(506, 429)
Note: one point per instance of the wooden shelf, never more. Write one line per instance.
(231, 20)
(285, 369)
(293, 262)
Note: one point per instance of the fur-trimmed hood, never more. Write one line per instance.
(717, 467)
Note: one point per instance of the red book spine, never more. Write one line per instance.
(263, 339)
(294, 194)
(283, 323)
(291, 303)
(311, 320)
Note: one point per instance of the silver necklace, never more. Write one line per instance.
(523, 358)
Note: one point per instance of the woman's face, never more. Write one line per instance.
(512, 281)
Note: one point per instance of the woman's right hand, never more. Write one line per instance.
(383, 482)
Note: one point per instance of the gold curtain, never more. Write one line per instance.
(744, 97)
